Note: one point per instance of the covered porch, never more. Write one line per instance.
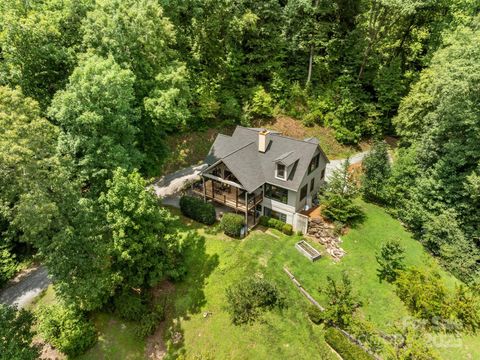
(230, 194)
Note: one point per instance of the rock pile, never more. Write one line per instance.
(322, 232)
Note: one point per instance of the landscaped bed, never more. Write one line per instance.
(308, 250)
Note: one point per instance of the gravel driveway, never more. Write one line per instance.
(25, 287)
(336, 164)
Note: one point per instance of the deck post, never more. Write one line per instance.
(204, 190)
(213, 189)
(246, 209)
(236, 197)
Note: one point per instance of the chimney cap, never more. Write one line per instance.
(264, 132)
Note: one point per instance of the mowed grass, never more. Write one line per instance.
(216, 262)
(220, 262)
(116, 340)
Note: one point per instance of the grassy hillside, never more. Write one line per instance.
(215, 262)
(220, 262)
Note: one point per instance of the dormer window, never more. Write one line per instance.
(281, 172)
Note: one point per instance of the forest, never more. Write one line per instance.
(92, 90)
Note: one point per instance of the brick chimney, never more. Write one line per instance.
(262, 140)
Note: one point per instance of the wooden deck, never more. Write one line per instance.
(227, 195)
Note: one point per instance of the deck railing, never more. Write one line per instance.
(227, 197)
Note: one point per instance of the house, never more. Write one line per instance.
(261, 172)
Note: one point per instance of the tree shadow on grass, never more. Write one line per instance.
(189, 296)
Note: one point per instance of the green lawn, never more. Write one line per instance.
(116, 340)
(218, 262)
(215, 262)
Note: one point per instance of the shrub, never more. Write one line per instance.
(197, 210)
(276, 224)
(344, 346)
(250, 297)
(263, 220)
(390, 261)
(130, 305)
(287, 229)
(315, 314)
(68, 330)
(232, 224)
(150, 321)
(8, 265)
(262, 103)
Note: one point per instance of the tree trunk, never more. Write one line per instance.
(310, 65)
(310, 60)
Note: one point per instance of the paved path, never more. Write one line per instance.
(336, 164)
(24, 288)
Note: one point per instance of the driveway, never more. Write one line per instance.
(25, 287)
(171, 184)
(337, 164)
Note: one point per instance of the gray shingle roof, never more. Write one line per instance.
(252, 168)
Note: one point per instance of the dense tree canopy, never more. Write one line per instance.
(144, 249)
(39, 41)
(98, 119)
(16, 334)
(435, 176)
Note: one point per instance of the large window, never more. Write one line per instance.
(281, 171)
(312, 184)
(276, 193)
(314, 163)
(303, 192)
(275, 214)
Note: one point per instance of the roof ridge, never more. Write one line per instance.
(240, 148)
(277, 133)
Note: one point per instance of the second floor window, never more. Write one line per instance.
(314, 163)
(276, 193)
(281, 171)
(303, 192)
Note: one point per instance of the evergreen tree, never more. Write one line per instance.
(337, 200)
(376, 171)
(390, 261)
(342, 302)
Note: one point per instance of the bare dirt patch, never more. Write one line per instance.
(156, 348)
(48, 352)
